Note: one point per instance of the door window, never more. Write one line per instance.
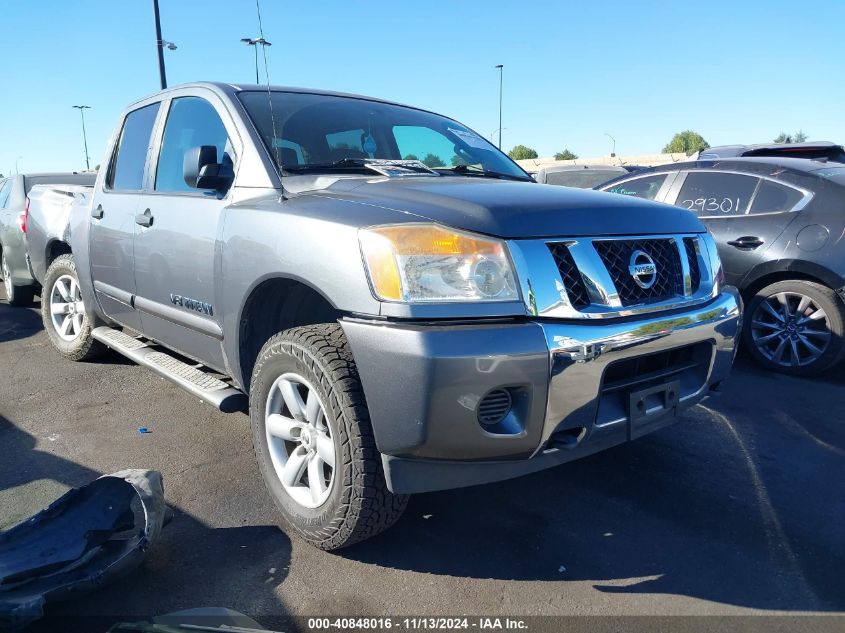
(772, 198)
(191, 122)
(715, 194)
(645, 187)
(127, 169)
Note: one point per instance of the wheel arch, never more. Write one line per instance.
(788, 269)
(275, 303)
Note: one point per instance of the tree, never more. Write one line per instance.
(411, 157)
(457, 160)
(688, 142)
(521, 152)
(432, 160)
(565, 155)
(798, 137)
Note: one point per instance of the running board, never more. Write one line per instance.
(195, 381)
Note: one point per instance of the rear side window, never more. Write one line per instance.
(716, 194)
(5, 190)
(645, 187)
(191, 122)
(127, 169)
(772, 198)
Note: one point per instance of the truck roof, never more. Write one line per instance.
(231, 89)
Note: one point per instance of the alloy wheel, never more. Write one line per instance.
(300, 441)
(66, 308)
(790, 329)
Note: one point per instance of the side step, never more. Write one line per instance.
(195, 381)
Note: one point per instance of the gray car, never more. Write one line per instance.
(15, 268)
(393, 326)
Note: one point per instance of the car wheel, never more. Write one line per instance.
(313, 439)
(63, 312)
(796, 327)
(15, 295)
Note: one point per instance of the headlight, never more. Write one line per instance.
(416, 263)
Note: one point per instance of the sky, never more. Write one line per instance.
(734, 71)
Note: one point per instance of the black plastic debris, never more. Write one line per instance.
(85, 539)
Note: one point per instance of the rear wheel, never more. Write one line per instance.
(63, 312)
(15, 295)
(313, 439)
(796, 327)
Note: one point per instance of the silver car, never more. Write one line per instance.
(15, 268)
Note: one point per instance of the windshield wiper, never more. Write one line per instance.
(386, 167)
(471, 170)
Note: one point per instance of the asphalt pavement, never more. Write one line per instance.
(737, 509)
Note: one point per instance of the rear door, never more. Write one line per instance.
(176, 255)
(745, 213)
(113, 217)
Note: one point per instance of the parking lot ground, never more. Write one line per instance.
(737, 509)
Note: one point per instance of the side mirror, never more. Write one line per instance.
(201, 170)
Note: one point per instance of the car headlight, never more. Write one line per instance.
(419, 263)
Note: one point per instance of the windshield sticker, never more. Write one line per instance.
(470, 138)
(369, 145)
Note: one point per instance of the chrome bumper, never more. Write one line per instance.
(580, 353)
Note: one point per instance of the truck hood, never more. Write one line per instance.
(511, 209)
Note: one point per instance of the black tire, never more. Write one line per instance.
(759, 322)
(84, 346)
(359, 504)
(15, 295)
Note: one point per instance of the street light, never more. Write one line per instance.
(493, 133)
(82, 109)
(254, 42)
(613, 153)
(160, 44)
(501, 70)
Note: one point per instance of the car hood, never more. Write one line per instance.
(512, 209)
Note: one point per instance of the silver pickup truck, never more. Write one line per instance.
(398, 305)
(27, 199)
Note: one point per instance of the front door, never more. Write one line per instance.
(113, 218)
(177, 238)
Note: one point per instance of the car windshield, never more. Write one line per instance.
(310, 132)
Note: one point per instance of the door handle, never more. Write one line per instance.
(144, 219)
(98, 213)
(748, 242)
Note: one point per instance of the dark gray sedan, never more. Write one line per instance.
(780, 229)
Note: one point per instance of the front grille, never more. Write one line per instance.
(576, 290)
(616, 255)
(692, 258)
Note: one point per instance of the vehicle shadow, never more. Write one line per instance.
(727, 506)
(18, 322)
(191, 565)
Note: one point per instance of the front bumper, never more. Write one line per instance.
(570, 384)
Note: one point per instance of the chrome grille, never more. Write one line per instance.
(692, 258)
(669, 281)
(576, 289)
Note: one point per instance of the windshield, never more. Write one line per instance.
(317, 130)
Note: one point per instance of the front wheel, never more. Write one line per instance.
(15, 295)
(63, 312)
(313, 439)
(796, 327)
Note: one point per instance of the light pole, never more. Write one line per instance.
(160, 44)
(501, 70)
(82, 109)
(612, 153)
(254, 42)
(493, 133)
